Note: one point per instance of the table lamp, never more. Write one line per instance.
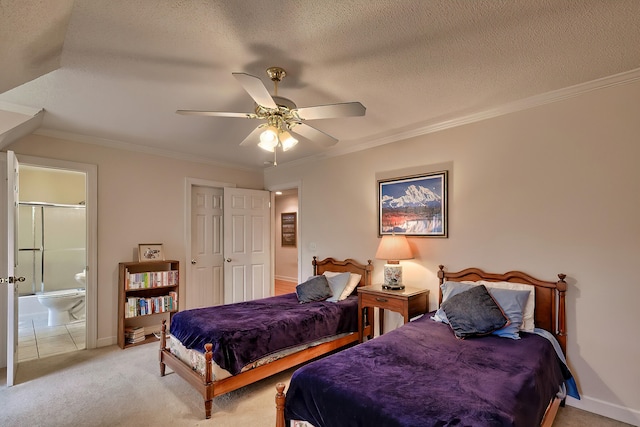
(393, 248)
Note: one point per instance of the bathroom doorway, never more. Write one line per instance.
(56, 239)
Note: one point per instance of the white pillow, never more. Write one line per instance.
(354, 279)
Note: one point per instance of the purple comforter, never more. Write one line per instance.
(244, 332)
(421, 375)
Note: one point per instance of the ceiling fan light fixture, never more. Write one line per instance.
(269, 139)
(268, 146)
(282, 115)
(287, 140)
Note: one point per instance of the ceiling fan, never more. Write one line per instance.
(281, 115)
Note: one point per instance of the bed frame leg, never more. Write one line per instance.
(207, 408)
(280, 396)
(208, 378)
(163, 345)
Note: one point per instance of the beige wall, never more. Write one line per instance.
(550, 190)
(140, 200)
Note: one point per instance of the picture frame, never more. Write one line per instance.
(150, 252)
(288, 226)
(414, 205)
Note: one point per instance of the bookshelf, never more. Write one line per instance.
(147, 294)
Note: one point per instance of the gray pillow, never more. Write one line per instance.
(316, 288)
(337, 284)
(474, 313)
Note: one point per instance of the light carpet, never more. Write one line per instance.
(113, 387)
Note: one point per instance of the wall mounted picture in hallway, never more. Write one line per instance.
(288, 226)
(413, 205)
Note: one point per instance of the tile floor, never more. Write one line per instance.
(37, 340)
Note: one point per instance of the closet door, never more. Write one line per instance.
(247, 248)
(207, 257)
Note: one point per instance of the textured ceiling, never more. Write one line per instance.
(125, 67)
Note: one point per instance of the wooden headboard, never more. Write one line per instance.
(550, 296)
(350, 265)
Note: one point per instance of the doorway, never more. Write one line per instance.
(286, 249)
(52, 258)
(57, 255)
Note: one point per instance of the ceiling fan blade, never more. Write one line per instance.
(347, 109)
(216, 114)
(313, 134)
(253, 137)
(256, 89)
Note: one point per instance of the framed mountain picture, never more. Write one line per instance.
(413, 205)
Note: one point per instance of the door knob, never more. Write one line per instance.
(228, 259)
(193, 261)
(11, 279)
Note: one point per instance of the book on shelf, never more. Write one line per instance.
(134, 334)
(138, 306)
(151, 279)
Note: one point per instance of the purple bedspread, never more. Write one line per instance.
(244, 332)
(421, 375)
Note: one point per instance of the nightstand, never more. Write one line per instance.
(409, 302)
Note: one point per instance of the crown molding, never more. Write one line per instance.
(456, 120)
(127, 146)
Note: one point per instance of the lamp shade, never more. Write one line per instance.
(394, 247)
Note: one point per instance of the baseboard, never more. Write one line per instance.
(606, 409)
(105, 342)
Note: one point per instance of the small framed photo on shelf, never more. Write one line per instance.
(150, 252)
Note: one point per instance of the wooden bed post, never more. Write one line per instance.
(562, 331)
(208, 375)
(280, 396)
(163, 345)
(441, 280)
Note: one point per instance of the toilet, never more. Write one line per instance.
(64, 306)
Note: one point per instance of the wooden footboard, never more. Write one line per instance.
(210, 389)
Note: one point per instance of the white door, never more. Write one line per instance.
(247, 247)
(207, 257)
(9, 280)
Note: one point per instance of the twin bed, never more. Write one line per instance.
(220, 349)
(421, 374)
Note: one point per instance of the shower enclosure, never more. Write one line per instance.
(52, 246)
